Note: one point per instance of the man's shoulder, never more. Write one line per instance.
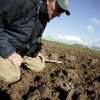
(7, 3)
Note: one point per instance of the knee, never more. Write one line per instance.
(14, 77)
(8, 72)
(40, 68)
(10, 77)
(34, 64)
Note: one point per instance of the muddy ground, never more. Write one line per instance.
(77, 78)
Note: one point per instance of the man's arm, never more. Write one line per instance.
(6, 48)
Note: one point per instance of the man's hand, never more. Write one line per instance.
(41, 57)
(16, 59)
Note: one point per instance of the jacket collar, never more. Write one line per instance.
(43, 11)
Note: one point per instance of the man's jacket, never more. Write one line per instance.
(18, 20)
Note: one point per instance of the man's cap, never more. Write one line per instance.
(64, 5)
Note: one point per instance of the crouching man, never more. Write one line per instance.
(22, 23)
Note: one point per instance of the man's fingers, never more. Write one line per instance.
(17, 62)
(16, 59)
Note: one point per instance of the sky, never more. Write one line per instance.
(82, 26)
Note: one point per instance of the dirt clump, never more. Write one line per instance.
(77, 78)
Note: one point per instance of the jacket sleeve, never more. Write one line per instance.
(6, 48)
(8, 10)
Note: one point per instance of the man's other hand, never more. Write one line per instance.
(41, 57)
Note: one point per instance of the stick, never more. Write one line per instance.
(53, 61)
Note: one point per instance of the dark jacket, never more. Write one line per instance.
(18, 21)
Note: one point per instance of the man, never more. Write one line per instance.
(22, 23)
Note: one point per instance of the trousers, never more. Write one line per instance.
(9, 73)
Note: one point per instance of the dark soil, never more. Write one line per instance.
(77, 78)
